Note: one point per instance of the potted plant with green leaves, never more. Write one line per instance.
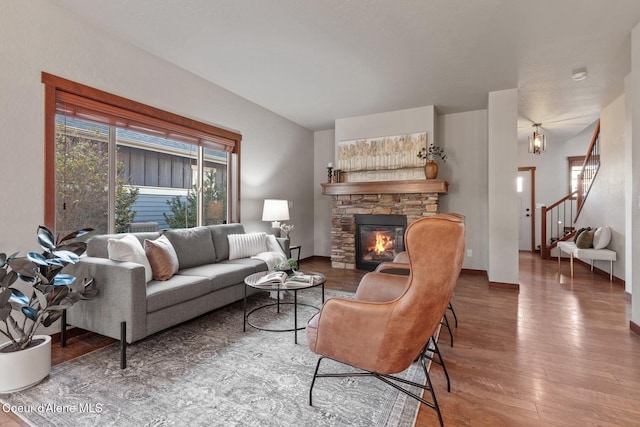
(430, 153)
(26, 358)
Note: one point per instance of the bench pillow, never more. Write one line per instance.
(193, 246)
(579, 232)
(129, 248)
(246, 245)
(585, 239)
(602, 237)
(162, 257)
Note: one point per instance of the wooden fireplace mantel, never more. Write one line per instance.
(414, 186)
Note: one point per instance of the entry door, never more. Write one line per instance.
(526, 210)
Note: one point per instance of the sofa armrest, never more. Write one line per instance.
(284, 244)
(122, 297)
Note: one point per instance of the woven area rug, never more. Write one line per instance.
(208, 372)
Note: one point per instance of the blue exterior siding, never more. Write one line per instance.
(150, 207)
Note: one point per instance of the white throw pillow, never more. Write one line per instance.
(246, 245)
(273, 245)
(129, 248)
(602, 237)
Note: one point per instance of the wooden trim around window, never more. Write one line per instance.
(208, 135)
(49, 157)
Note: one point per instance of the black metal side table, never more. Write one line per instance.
(317, 279)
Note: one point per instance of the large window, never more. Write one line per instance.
(113, 164)
(575, 167)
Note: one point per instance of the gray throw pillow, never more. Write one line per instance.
(219, 234)
(580, 231)
(193, 246)
(585, 240)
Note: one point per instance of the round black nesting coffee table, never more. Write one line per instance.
(315, 280)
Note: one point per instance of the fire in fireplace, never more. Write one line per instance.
(379, 238)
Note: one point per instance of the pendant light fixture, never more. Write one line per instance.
(537, 141)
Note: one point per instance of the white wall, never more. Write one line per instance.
(605, 202)
(502, 195)
(633, 189)
(629, 199)
(323, 153)
(465, 137)
(277, 155)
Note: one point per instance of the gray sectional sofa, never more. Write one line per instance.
(129, 309)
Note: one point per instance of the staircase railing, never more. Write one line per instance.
(557, 223)
(557, 220)
(590, 169)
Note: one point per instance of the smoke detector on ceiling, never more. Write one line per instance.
(579, 75)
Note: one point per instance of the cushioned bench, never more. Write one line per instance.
(590, 254)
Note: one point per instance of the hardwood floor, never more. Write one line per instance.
(558, 352)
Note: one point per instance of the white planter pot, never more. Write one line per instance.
(25, 368)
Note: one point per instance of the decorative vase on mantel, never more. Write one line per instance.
(431, 169)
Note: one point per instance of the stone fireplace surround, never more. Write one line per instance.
(413, 198)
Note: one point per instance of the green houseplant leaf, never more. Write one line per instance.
(52, 290)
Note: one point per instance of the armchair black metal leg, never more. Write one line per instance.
(123, 345)
(433, 393)
(390, 380)
(445, 322)
(455, 318)
(315, 375)
(440, 362)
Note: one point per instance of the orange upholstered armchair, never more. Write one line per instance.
(400, 265)
(385, 328)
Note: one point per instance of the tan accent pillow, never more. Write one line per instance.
(585, 239)
(162, 257)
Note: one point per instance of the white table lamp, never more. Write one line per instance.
(275, 211)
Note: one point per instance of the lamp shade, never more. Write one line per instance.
(275, 210)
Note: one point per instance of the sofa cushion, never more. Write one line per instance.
(220, 241)
(222, 274)
(254, 263)
(601, 237)
(177, 289)
(194, 246)
(97, 246)
(162, 257)
(128, 248)
(246, 245)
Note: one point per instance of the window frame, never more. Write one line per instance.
(574, 161)
(134, 114)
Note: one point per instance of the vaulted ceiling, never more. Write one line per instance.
(314, 61)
